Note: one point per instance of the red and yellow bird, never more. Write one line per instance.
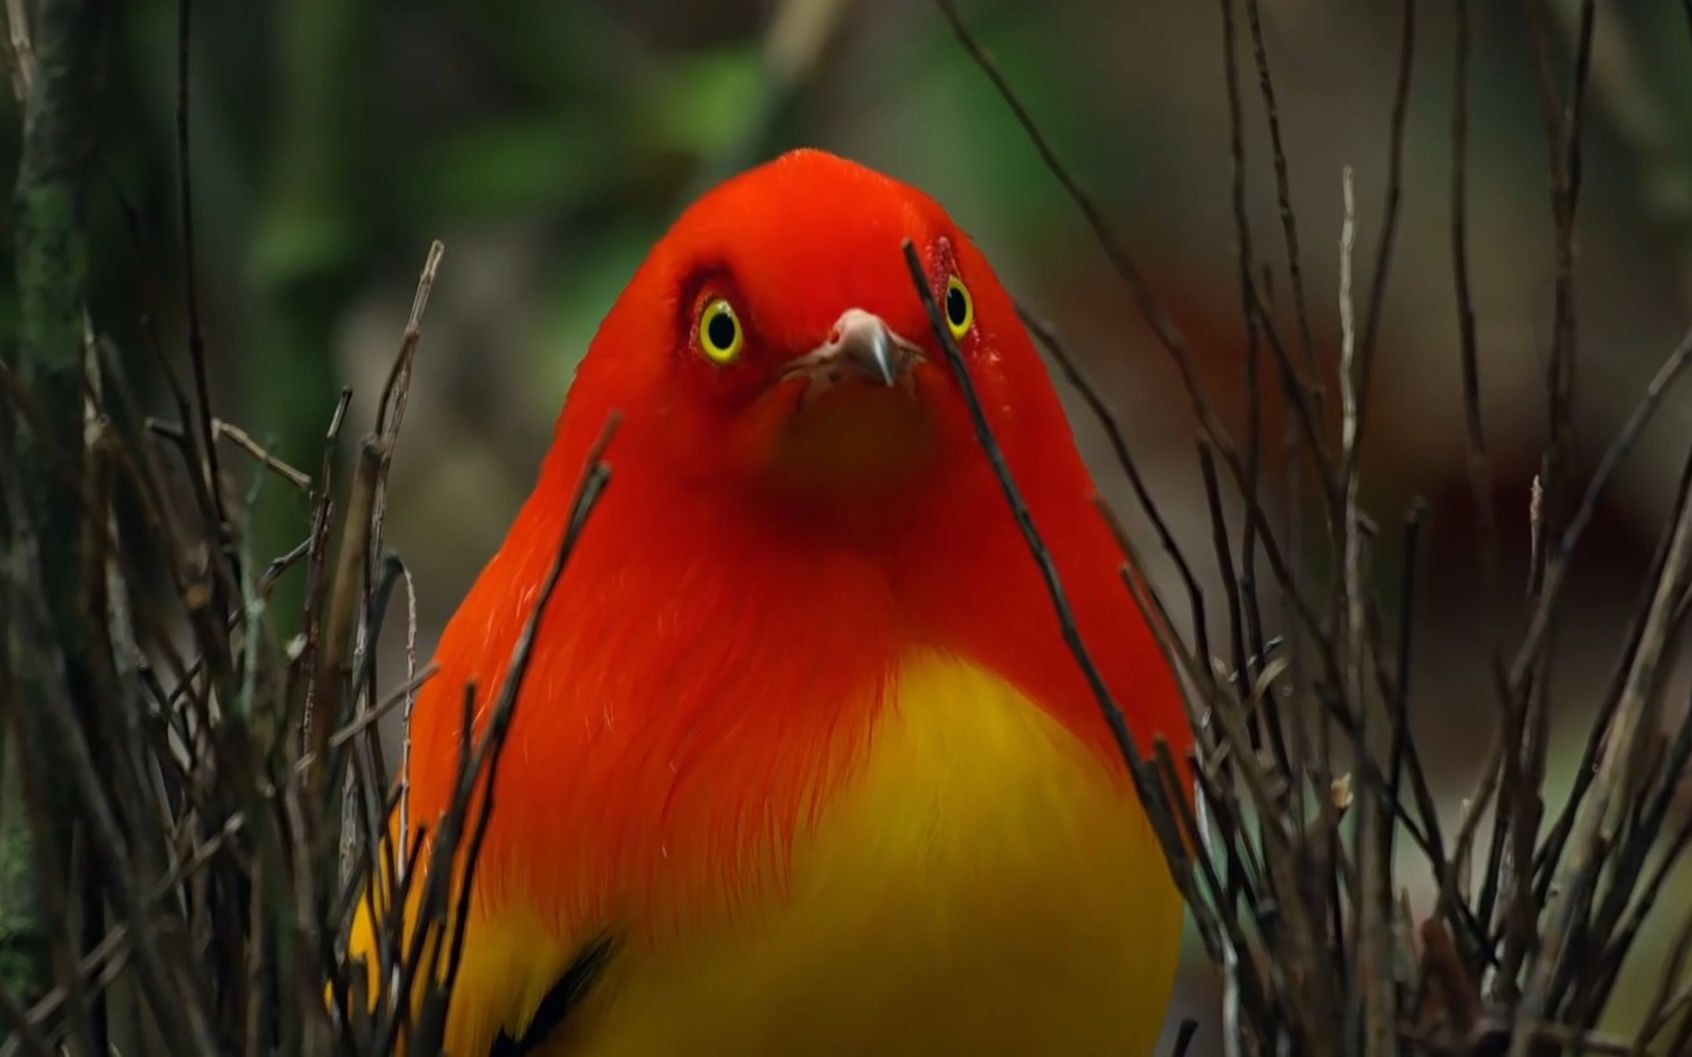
(801, 765)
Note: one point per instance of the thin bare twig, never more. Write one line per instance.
(1480, 473)
(1389, 216)
(1112, 712)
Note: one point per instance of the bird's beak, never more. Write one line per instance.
(860, 345)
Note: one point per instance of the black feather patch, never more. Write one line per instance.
(559, 1000)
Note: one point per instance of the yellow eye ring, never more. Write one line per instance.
(960, 307)
(720, 332)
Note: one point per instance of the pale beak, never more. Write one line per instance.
(859, 345)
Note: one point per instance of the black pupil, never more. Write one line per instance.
(956, 307)
(720, 330)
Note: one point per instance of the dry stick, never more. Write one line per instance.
(396, 390)
(1374, 900)
(1170, 774)
(1200, 677)
(403, 786)
(1184, 1037)
(1563, 137)
(1113, 716)
(1515, 830)
(330, 682)
(1614, 456)
(1399, 745)
(1283, 185)
(1224, 565)
(1617, 775)
(390, 412)
(1119, 446)
(1389, 224)
(1307, 413)
(1295, 270)
(594, 481)
(1373, 962)
(402, 694)
(1480, 472)
(1143, 779)
(1562, 141)
(244, 440)
(368, 753)
(1247, 587)
(483, 757)
(241, 439)
(190, 281)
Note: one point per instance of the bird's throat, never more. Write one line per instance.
(852, 447)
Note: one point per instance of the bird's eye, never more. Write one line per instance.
(720, 334)
(960, 309)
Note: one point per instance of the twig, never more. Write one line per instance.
(595, 477)
(1480, 473)
(1373, 903)
(403, 694)
(1224, 565)
(1184, 1037)
(1119, 446)
(476, 767)
(332, 680)
(1283, 183)
(245, 442)
(1389, 219)
(1025, 523)
(1247, 586)
(1614, 456)
(190, 277)
(1562, 140)
(1167, 333)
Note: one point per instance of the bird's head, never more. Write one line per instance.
(773, 343)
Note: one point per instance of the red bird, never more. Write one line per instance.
(802, 765)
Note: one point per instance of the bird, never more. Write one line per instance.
(801, 763)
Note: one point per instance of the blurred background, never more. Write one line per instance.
(548, 144)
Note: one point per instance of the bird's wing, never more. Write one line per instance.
(560, 1000)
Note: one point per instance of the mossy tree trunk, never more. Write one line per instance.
(44, 523)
